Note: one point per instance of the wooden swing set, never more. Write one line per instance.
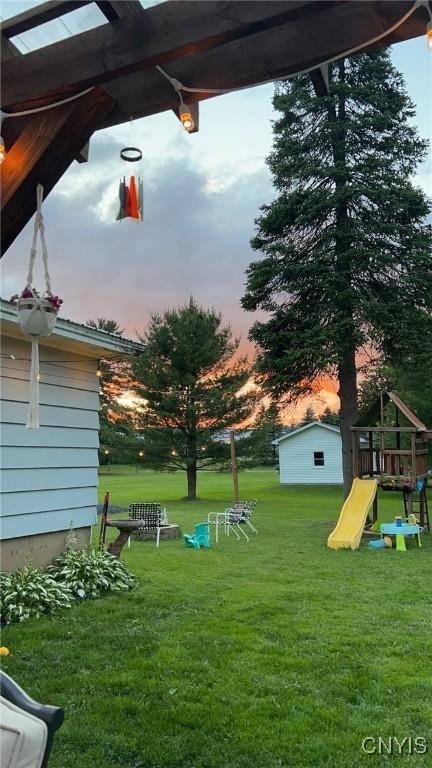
(390, 442)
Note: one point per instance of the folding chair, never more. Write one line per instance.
(232, 521)
(245, 508)
(151, 516)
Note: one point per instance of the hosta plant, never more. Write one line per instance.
(88, 573)
(29, 592)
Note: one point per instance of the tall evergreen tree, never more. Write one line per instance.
(193, 388)
(346, 254)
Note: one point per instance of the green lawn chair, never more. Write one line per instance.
(200, 538)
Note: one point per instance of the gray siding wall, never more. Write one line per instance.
(48, 475)
(296, 457)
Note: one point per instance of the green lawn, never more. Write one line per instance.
(277, 652)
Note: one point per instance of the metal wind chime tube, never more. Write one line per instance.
(131, 194)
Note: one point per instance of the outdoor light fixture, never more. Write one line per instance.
(429, 35)
(2, 144)
(141, 453)
(186, 118)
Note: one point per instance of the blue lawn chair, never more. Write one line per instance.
(200, 538)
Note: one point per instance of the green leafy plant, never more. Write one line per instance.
(29, 592)
(88, 573)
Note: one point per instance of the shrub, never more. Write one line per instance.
(29, 592)
(88, 573)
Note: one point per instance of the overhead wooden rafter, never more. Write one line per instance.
(43, 152)
(208, 46)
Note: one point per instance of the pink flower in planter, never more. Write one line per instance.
(56, 301)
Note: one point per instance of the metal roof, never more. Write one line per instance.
(73, 337)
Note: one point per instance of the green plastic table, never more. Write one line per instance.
(400, 531)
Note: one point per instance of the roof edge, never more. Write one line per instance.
(72, 336)
(296, 431)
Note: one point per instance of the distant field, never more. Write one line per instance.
(268, 654)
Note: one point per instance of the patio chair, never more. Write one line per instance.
(245, 508)
(27, 728)
(232, 522)
(151, 516)
(200, 538)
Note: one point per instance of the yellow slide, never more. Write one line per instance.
(353, 515)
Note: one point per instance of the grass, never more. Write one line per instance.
(277, 652)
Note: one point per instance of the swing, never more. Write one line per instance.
(37, 314)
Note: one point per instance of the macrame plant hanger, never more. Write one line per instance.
(37, 314)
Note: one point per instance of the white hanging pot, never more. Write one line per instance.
(37, 316)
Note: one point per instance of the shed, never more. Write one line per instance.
(48, 480)
(311, 454)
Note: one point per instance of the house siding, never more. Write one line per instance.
(296, 457)
(48, 475)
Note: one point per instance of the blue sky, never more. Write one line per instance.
(202, 194)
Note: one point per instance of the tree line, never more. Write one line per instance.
(343, 273)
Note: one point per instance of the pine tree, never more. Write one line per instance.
(193, 390)
(330, 417)
(309, 416)
(258, 448)
(346, 254)
(117, 436)
(106, 324)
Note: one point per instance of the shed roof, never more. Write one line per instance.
(297, 431)
(72, 337)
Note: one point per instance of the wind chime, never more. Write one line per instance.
(37, 313)
(131, 194)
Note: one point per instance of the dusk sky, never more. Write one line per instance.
(202, 194)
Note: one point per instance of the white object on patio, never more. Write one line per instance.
(23, 737)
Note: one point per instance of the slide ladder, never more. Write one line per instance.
(352, 518)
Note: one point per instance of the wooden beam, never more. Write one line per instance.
(260, 57)
(38, 15)
(116, 9)
(8, 49)
(42, 153)
(12, 128)
(163, 33)
(320, 80)
(83, 154)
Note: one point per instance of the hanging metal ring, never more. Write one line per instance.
(131, 154)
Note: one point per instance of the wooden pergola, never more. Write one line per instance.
(208, 46)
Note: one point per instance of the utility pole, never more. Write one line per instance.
(234, 465)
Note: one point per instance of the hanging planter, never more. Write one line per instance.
(37, 314)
